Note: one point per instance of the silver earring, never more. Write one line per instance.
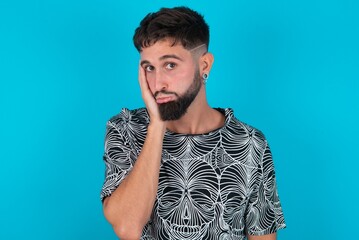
(204, 77)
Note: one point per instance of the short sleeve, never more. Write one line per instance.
(116, 158)
(264, 213)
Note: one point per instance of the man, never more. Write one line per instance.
(179, 169)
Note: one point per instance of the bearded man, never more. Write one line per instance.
(178, 168)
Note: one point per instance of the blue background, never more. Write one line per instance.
(289, 68)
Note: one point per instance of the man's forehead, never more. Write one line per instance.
(164, 50)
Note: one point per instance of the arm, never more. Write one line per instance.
(266, 216)
(129, 207)
(272, 236)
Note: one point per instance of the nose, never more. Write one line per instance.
(186, 217)
(160, 81)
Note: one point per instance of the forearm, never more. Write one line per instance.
(129, 207)
(272, 236)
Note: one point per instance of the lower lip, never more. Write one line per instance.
(164, 100)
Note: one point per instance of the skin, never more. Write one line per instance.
(170, 68)
(272, 236)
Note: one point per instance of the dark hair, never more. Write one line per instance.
(180, 24)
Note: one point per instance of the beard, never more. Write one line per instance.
(176, 109)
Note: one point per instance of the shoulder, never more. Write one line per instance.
(243, 130)
(137, 116)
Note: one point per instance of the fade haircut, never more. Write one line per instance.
(179, 24)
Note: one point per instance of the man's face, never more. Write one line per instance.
(173, 77)
(174, 110)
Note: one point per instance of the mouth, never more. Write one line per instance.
(164, 99)
(186, 232)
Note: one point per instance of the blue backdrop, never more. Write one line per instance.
(289, 68)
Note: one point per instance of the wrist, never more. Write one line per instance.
(157, 126)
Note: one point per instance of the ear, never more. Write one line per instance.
(205, 63)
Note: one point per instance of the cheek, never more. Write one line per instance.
(181, 78)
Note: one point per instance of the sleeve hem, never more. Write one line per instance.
(267, 231)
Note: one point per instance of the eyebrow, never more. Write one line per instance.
(171, 56)
(164, 57)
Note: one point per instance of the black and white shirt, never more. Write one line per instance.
(218, 185)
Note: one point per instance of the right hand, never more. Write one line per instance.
(148, 97)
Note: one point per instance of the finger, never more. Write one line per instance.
(145, 88)
(142, 77)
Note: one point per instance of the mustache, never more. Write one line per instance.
(165, 93)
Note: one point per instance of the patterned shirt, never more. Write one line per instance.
(218, 185)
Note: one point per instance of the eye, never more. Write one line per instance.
(170, 66)
(149, 68)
